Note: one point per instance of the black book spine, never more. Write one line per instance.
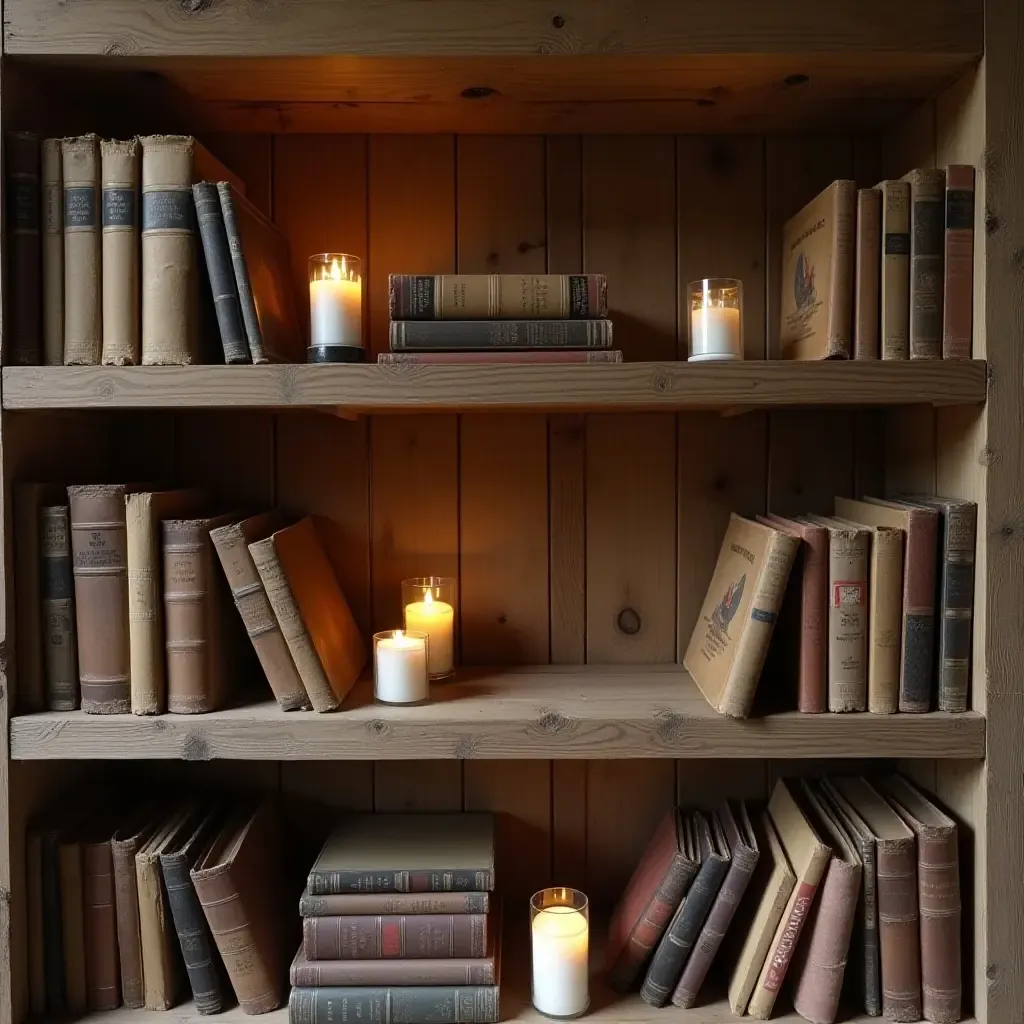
(222, 275)
(442, 1004)
(57, 585)
(328, 883)
(485, 335)
(959, 531)
(53, 928)
(241, 270)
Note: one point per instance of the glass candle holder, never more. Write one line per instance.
(429, 606)
(400, 667)
(335, 309)
(560, 941)
(716, 319)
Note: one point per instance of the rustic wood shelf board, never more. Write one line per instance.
(381, 389)
(546, 712)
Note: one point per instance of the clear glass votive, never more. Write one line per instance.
(560, 941)
(715, 323)
(400, 667)
(335, 309)
(428, 604)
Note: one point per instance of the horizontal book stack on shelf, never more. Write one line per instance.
(499, 318)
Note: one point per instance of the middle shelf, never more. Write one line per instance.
(530, 712)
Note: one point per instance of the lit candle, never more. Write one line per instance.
(561, 940)
(400, 668)
(437, 620)
(335, 304)
(716, 332)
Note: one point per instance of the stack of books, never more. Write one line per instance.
(499, 318)
(399, 923)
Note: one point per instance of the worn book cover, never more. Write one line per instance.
(958, 288)
(103, 975)
(120, 217)
(23, 328)
(927, 246)
(53, 252)
(894, 296)
(394, 903)
(467, 1004)
(395, 936)
(83, 266)
(506, 335)
(58, 607)
(817, 276)
(867, 274)
(497, 358)
(452, 970)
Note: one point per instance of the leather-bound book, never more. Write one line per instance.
(743, 857)
(103, 969)
(677, 943)
(23, 332)
(395, 936)
(60, 655)
(927, 248)
(452, 970)
(83, 263)
(99, 558)
(468, 1004)
(938, 888)
(867, 274)
(231, 542)
(72, 914)
(35, 927)
(120, 176)
(198, 643)
(819, 965)
(340, 904)
(237, 881)
(651, 897)
(127, 841)
(240, 268)
(53, 252)
(53, 923)
(920, 547)
(894, 299)
(896, 885)
(958, 287)
(506, 335)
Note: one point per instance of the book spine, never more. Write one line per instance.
(917, 651)
(898, 935)
(120, 175)
(72, 912)
(145, 622)
(193, 935)
(938, 883)
(23, 341)
(99, 556)
(102, 963)
(221, 273)
(240, 269)
(35, 923)
(53, 253)
(57, 586)
(467, 335)
(169, 275)
(403, 936)
(867, 274)
(28, 606)
(895, 293)
(958, 290)
(927, 242)
(83, 268)
(840, 300)
(453, 971)
(848, 620)
(325, 883)
(959, 532)
(812, 695)
(886, 619)
(341, 904)
(129, 937)
(496, 358)
(476, 1004)
(159, 964)
(53, 927)
(498, 296)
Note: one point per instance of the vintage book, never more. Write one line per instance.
(83, 266)
(99, 558)
(498, 296)
(53, 252)
(958, 527)
(240, 272)
(927, 245)
(57, 584)
(507, 335)
(920, 547)
(728, 646)
(445, 971)
(677, 943)
(221, 273)
(197, 638)
(24, 332)
(120, 218)
(817, 276)
(144, 511)
(958, 287)
(395, 936)
(394, 903)
(36, 939)
(897, 895)
(653, 893)
(497, 358)
(743, 857)
(808, 855)
(127, 841)
(938, 888)
(53, 924)
(867, 274)
(894, 295)
(103, 967)
(72, 914)
(406, 853)
(237, 881)
(231, 542)
(819, 965)
(322, 605)
(475, 1004)
(202, 962)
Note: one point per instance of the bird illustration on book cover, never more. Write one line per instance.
(725, 610)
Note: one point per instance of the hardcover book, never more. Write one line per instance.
(53, 924)
(102, 964)
(120, 219)
(894, 298)
(867, 274)
(395, 936)
(506, 335)
(452, 970)
(83, 268)
(72, 915)
(927, 244)
(467, 1004)
(58, 588)
(53, 252)
(958, 288)
(127, 841)
(23, 332)
(497, 358)
(340, 904)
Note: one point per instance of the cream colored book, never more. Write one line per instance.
(727, 650)
(894, 295)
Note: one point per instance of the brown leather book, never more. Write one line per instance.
(35, 926)
(894, 299)
(231, 543)
(340, 904)
(72, 913)
(60, 651)
(237, 882)
(83, 266)
(958, 290)
(395, 936)
(896, 867)
(120, 218)
(23, 332)
(101, 959)
(651, 897)
(99, 555)
(127, 841)
(938, 887)
(306, 973)
(867, 274)
(53, 252)
(198, 643)
(927, 246)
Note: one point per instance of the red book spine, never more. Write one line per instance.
(394, 936)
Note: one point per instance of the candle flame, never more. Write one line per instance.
(428, 598)
(398, 634)
(338, 271)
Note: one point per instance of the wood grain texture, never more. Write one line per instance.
(567, 538)
(810, 460)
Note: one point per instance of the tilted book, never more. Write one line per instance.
(53, 252)
(506, 335)
(894, 297)
(728, 646)
(867, 274)
(958, 288)
(927, 245)
(120, 217)
(58, 605)
(83, 267)
(23, 329)
(127, 841)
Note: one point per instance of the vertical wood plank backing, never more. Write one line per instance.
(910, 450)
(911, 142)
(251, 156)
(567, 538)
(870, 448)
(705, 782)
(417, 786)
(143, 445)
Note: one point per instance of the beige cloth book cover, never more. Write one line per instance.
(120, 176)
(894, 297)
(867, 273)
(83, 267)
(727, 649)
(53, 252)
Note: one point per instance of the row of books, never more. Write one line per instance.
(107, 266)
(884, 272)
(125, 604)
(842, 886)
(874, 608)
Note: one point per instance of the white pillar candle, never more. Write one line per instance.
(400, 670)
(336, 308)
(716, 333)
(561, 941)
(437, 620)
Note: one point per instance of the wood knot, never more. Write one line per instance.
(558, 21)
(1006, 530)
(195, 6)
(5, 895)
(669, 725)
(196, 748)
(377, 726)
(465, 749)
(478, 92)
(105, 388)
(159, 725)
(554, 723)
(502, 620)
(992, 222)
(797, 79)
(123, 47)
(662, 384)
(987, 457)
(991, 971)
(628, 621)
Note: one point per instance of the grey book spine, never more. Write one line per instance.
(486, 335)
(959, 532)
(53, 933)
(250, 318)
(57, 585)
(927, 247)
(222, 276)
(465, 1004)
(326, 883)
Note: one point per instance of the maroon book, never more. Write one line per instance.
(394, 936)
